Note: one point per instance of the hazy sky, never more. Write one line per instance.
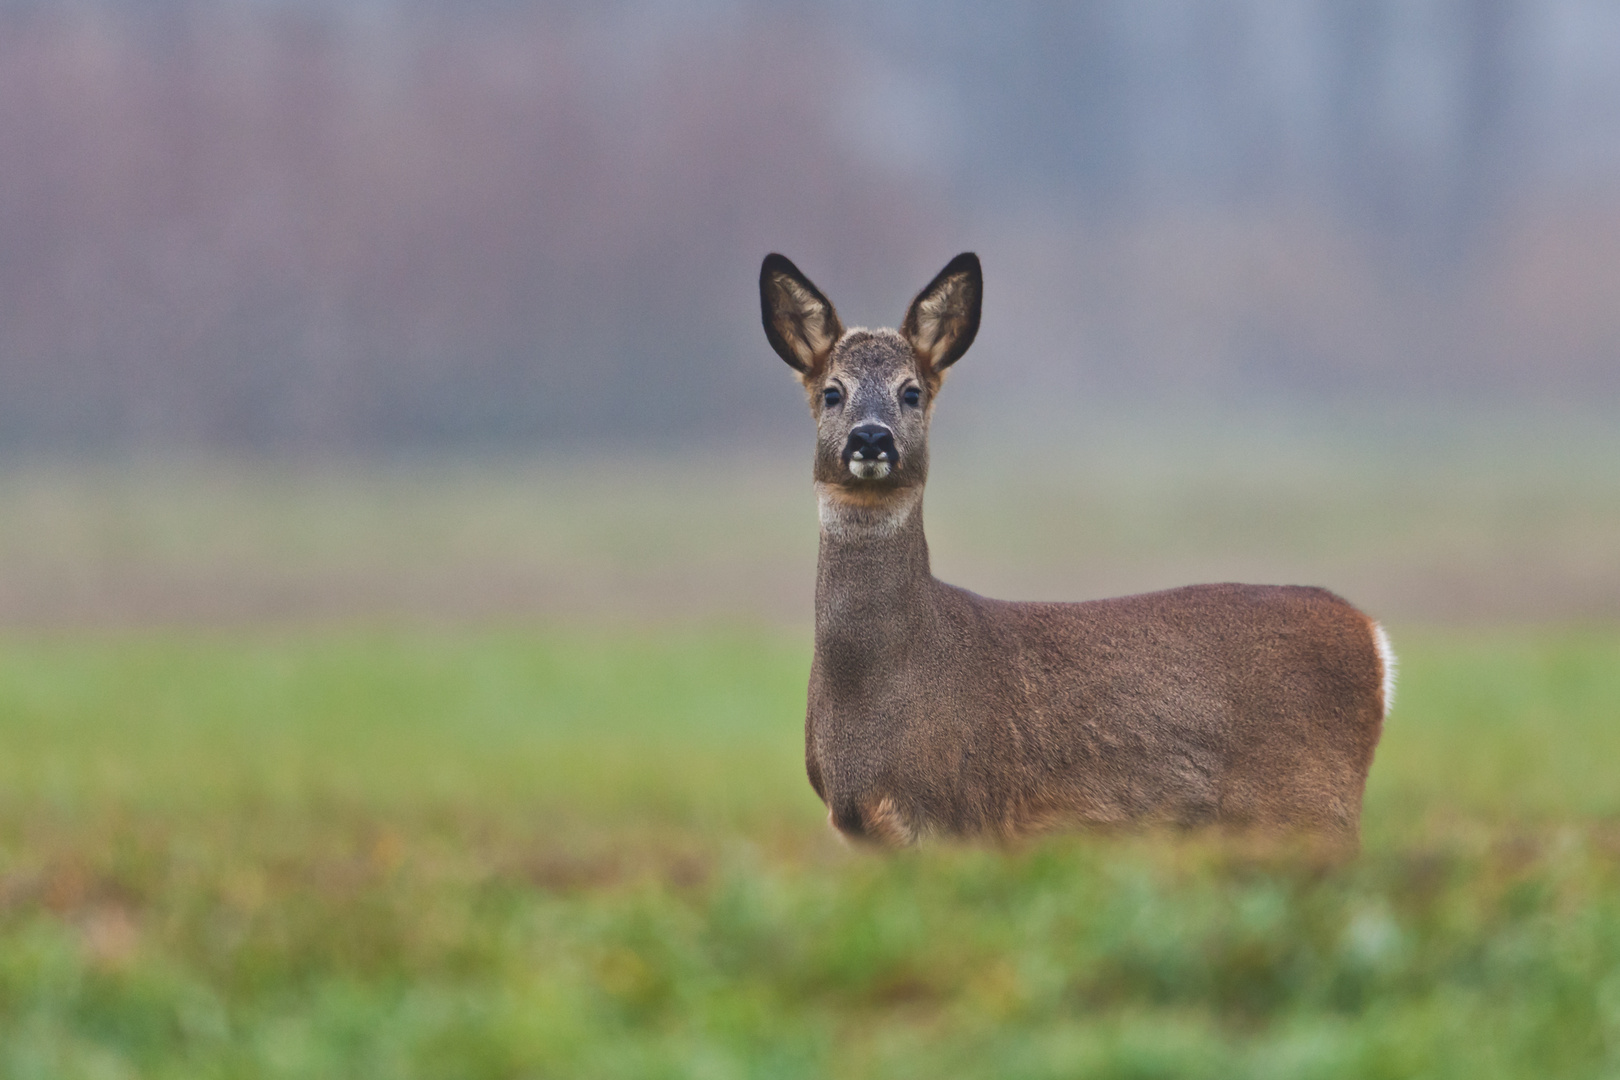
(292, 224)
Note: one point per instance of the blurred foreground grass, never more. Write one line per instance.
(483, 853)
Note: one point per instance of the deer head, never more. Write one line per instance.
(871, 391)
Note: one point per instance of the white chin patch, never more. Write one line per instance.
(868, 470)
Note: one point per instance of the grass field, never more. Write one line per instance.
(465, 852)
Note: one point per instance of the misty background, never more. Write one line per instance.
(272, 224)
(1317, 290)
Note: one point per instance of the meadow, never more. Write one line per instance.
(470, 774)
(503, 853)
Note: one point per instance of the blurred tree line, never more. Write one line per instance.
(272, 224)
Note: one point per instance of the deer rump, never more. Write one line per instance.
(934, 710)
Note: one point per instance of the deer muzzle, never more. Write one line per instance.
(870, 453)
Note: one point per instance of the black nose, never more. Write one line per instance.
(871, 442)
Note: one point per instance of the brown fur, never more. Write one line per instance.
(932, 709)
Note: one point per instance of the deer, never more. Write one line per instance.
(933, 711)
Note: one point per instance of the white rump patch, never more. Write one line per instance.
(1387, 665)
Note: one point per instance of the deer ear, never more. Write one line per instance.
(800, 323)
(944, 318)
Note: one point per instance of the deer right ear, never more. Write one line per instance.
(800, 323)
(944, 319)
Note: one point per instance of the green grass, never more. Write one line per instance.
(512, 853)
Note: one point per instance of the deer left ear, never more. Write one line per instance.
(800, 323)
(942, 322)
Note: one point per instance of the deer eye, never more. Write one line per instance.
(832, 396)
(911, 395)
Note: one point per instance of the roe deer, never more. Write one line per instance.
(934, 710)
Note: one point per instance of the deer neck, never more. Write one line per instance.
(872, 575)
